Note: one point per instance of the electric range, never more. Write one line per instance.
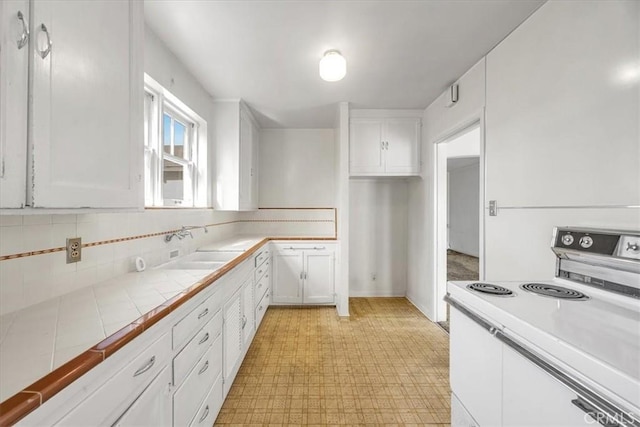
(582, 326)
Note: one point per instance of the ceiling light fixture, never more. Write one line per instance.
(333, 66)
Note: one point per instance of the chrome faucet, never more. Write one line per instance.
(184, 232)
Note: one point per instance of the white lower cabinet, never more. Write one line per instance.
(534, 398)
(192, 392)
(232, 336)
(248, 313)
(211, 406)
(476, 369)
(261, 307)
(153, 407)
(112, 400)
(494, 385)
(303, 274)
(178, 372)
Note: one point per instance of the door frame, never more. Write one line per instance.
(440, 208)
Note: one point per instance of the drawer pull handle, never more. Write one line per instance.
(204, 415)
(204, 313)
(244, 321)
(146, 367)
(259, 271)
(259, 285)
(260, 308)
(204, 339)
(24, 37)
(47, 49)
(204, 368)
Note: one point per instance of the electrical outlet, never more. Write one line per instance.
(74, 249)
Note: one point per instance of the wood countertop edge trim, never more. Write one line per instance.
(30, 398)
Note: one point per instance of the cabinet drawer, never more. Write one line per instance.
(261, 287)
(262, 269)
(210, 407)
(261, 257)
(192, 322)
(188, 397)
(125, 385)
(261, 307)
(190, 354)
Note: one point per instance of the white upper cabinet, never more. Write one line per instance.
(384, 146)
(14, 62)
(85, 105)
(236, 157)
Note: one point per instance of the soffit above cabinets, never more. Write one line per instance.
(400, 54)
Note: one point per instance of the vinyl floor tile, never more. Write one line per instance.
(385, 365)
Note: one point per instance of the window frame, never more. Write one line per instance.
(158, 102)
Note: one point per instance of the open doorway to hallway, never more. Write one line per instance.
(459, 207)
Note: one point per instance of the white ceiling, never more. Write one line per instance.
(400, 54)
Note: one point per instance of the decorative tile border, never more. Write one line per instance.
(163, 233)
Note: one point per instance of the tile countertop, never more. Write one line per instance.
(45, 347)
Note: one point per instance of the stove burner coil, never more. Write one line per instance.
(554, 291)
(488, 288)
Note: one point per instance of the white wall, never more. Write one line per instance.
(166, 69)
(464, 208)
(297, 168)
(438, 123)
(378, 235)
(562, 130)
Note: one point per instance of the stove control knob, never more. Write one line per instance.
(586, 242)
(632, 247)
(567, 239)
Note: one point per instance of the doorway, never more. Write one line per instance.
(459, 192)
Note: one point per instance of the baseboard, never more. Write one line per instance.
(420, 308)
(373, 293)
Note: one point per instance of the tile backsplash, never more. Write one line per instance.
(33, 264)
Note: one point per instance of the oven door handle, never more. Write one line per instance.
(598, 416)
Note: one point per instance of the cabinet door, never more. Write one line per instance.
(402, 146)
(287, 277)
(476, 369)
(319, 277)
(13, 102)
(232, 336)
(365, 147)
(246, 162)
(153, 406)
(86, 107)
(248, 313)
(255, 172)
(534, 398)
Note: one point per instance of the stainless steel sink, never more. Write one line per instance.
(202, 261)
(193, 265)
(213, 256)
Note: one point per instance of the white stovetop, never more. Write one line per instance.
(599, 337)
(38, 339)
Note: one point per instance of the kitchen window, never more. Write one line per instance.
(175, 145)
